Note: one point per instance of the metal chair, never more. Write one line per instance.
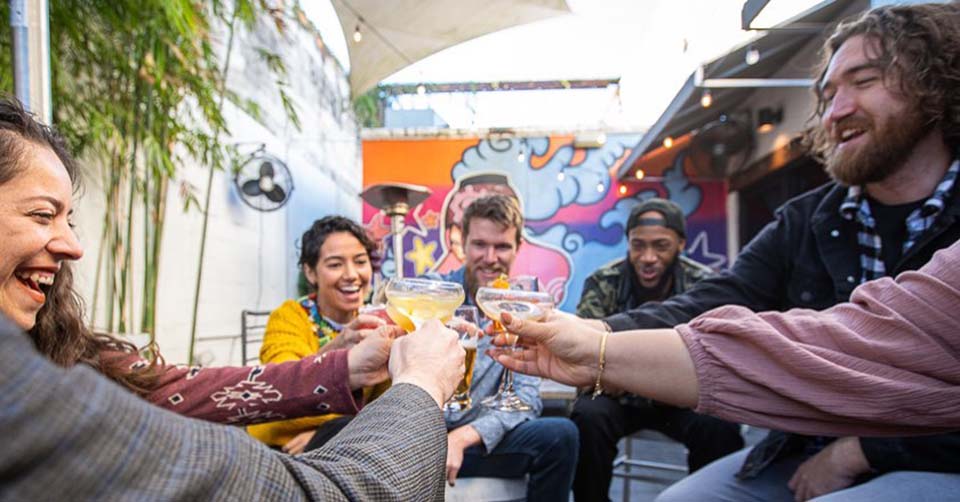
(625, 464)
(252, 325)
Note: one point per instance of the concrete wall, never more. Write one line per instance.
(251, 255)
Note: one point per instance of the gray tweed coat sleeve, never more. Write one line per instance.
(70, 434)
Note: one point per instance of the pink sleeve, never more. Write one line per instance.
(245, 395)
(887, 363)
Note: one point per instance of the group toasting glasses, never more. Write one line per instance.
(411, 302)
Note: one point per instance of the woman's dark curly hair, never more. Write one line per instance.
(918, 48)
(317, 234)
(60, 332)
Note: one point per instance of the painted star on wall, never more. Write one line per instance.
(699, 250)
(422, 255)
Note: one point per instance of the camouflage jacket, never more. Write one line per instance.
(614, 288)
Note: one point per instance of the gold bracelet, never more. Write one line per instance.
(597, 388)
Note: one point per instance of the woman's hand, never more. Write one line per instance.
(367, 360)
(565, 348)
(354, 332)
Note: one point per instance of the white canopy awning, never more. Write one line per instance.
(397, 33)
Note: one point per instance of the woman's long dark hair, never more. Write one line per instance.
(60, 332)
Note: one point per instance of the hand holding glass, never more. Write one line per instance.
(525, 305)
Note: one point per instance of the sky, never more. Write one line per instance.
(651, 45)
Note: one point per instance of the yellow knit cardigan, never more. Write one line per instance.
(290, 336)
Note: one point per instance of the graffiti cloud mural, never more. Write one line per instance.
(573, 205)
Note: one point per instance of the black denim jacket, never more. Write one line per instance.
(808, 258)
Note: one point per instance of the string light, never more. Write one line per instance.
(421, 89)
(520, 156)
(752, 56)
(600, 187)
(357, 35)
(640, 174)
(706, 99)
(623, 189)
(561, 176)
(668, 142)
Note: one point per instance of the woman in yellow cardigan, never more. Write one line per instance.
(335, 258)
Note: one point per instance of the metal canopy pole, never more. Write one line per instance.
(29, 23)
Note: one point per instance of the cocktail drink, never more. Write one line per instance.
(411, 302)
(524, 305)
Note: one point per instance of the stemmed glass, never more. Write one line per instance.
(464, 322)
(525, 305)
(411, 302)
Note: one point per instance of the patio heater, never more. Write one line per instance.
(396, 200)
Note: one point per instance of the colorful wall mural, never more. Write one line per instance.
(574, 207)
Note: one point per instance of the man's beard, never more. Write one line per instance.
(659, 291)
(473, 284)
(887, 149)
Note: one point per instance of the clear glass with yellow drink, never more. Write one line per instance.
(524, 305)
(465, 323)
(411, 302)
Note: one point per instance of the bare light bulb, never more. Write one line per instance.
(421, 89)
(752, 56)
(668, 142)
(707, 99)
(357, 35)
(640, 174)
(561, 176)
(600, 187)
(623, 189)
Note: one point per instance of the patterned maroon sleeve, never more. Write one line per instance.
(246, 395)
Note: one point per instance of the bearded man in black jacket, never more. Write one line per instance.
(889, 135)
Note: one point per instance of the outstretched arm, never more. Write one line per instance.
(884, 364)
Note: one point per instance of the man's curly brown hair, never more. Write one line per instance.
(918, 48)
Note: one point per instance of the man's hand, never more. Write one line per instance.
(565, 348)
(834, 468)
(296, 445)
(430, 358)
(354, 332)
(458, 440)
(367, 360)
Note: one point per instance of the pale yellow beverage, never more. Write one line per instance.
(421, 307)
(517, 308)
(462, 395)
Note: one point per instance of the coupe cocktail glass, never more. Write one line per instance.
(525, 305)
(411, 302)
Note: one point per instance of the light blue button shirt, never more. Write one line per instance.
(491, 424)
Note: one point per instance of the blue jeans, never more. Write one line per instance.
(717, 482)
(545, 449)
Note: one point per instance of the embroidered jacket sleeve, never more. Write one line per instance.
(252, 394)
(289, 336)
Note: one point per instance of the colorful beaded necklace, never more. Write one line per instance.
(324, 328)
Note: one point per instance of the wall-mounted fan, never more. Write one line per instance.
(721, 145)
(263, 181)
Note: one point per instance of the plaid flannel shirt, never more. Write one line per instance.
(856, 206)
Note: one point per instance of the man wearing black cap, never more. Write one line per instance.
(653, 270)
